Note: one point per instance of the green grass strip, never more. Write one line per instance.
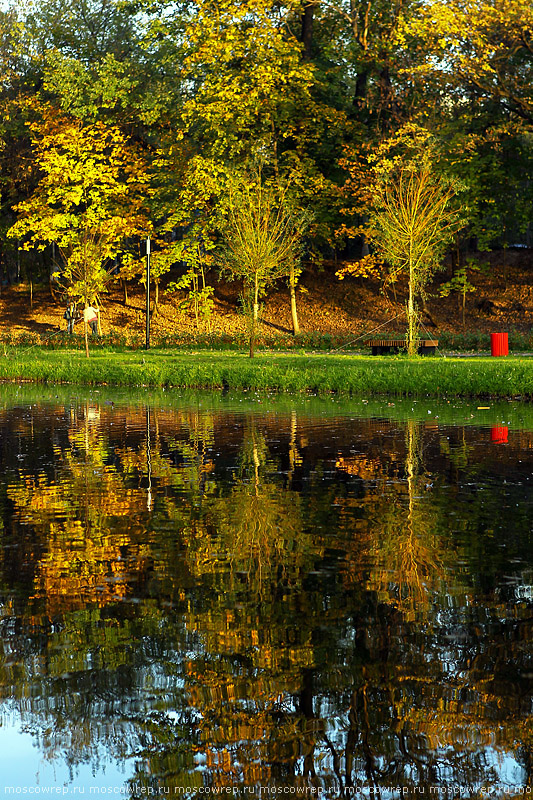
(285, 372)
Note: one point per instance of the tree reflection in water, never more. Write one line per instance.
(238, 601)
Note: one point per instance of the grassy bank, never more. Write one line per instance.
(290, 372)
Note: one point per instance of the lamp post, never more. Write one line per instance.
(147, 346)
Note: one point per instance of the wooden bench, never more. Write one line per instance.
(426, 347)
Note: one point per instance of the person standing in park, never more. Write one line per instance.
(71, 315)
(90, 317)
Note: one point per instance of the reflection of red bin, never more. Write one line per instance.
(499, 345)
(498, 435)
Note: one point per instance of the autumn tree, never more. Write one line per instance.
(413, 219)
(87, 30)
(262, 242)
(473, 79)
(91, 197)
(480, 48)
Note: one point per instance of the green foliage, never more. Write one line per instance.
(199, 292)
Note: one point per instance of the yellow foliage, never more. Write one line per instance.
(370, 266)
(92, 195)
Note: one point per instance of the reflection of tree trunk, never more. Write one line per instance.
(256, 469)
(351, 740)
(293, 450)
(148, 460)
(370, 765)
(305, 707)
(411, 466)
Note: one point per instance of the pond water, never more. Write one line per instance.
(254, 596)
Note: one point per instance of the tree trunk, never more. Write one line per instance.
(361, 88)
(385, 97)
(307, 30)
(294, 312)
(411, 314)
(256, 299)
(252, 337)
(86, 337)
(125, 288)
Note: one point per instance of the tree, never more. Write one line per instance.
(91, 198)
(475, 61)
(262, 242)
(88, 30)
(480, 48)
(413, 220)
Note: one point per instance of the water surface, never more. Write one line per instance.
(268, 596)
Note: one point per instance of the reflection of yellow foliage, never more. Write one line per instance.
(364, 467)
(80, 569)
(83, 559)
(396, 551)
(251, 543)
(408, 565)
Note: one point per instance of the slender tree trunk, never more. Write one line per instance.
(411, 313)
(252, 337)
(256, 298)
(125, 288)
(294, 311)
(86, 337)
(251, 311)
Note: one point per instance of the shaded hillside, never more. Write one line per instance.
(502, 301)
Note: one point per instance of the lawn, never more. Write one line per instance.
(285, 372)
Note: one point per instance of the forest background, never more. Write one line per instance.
(122, 120)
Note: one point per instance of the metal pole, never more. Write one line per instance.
(148, 293)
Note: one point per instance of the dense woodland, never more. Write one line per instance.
(122, 120)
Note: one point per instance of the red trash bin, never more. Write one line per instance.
(499, 345)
